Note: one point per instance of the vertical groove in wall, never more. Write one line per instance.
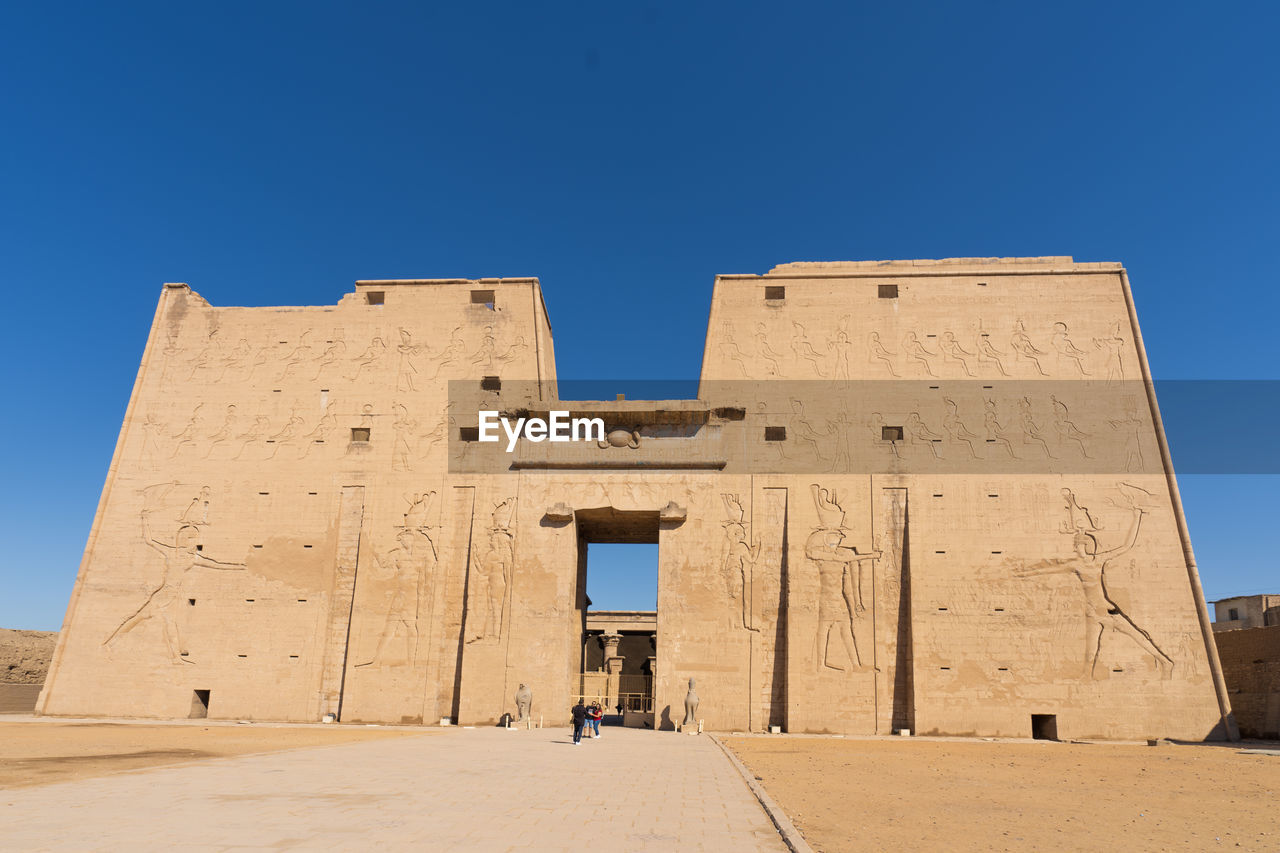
(341, 599)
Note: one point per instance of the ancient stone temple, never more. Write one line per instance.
(921, 495)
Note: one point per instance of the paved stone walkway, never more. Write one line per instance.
(463, 789)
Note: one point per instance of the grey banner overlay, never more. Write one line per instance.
(873, 427)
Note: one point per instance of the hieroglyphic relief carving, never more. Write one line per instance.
(402, 427)
(407, 369)
(238, 361)
(952, 351)
(729, 348)
(1065, 428)
(327, 424)
(955, 428)
(296, 356)
(1023, 349)
(839, 568)
(180, 554)
(487, 356)
(371, 356)
(803, 348)
(1113, 354)
(1089, 566)
(988, 354)
(995, 432)
(486, 610)
(452, 351)
(187, 435)
(877, 354)
(804, 430)
(287, 434)
(918, 433)
(1068, 353)
(1132, 426)
(841, 345)
(334, 350)
(257, 431)
(225, 433)
(1030, 429)
(915, 352)
(406, 575)
(738, 566)
(152, 428)
(765, 352)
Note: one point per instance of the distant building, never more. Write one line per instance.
(1251, 666)
(1246, 611)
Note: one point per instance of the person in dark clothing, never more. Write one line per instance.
(579, 713)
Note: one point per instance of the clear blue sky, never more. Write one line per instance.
(272, 153)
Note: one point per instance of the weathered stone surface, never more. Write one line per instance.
(921, 495)
(24, 655)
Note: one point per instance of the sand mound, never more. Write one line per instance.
(24, 655)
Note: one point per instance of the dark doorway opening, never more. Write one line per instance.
(199, 704)
(1044, 726)
(617, 597)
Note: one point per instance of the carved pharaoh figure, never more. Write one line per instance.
(1089, 566)
(839, 569)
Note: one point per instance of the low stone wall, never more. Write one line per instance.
(1251, 666)
(19, 698)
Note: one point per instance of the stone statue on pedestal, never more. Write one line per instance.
(524, 699)
(690, 707)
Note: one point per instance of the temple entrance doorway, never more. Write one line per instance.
(618, 593)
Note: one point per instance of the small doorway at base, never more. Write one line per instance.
(1044, 726)
(199, 705)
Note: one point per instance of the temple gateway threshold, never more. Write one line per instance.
(921, 495)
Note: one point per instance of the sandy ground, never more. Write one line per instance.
(24, 655)
(845, 794)
(40, 752)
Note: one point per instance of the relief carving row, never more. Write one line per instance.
(831, 357)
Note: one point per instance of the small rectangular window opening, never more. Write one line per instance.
(375, 297)
(199, 547)
(360, 434)
(199, 705)
(1233, 614)
(484, 297)
(888, 291)
(293, 657)
(490, 383)
(191, 602)
(242, 656)
(469, 433)
(775, 433)
(775, 291)
(1044, 726)
(308, 546)
(891, 433)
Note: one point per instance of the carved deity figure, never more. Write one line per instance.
(1089, 566)
(740, 558)
(1023, 349)
(524, 701)
(690, 707)
(839, 583)
(877, 353)
(492, 576)
(405, 574)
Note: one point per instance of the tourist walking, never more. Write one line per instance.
(579, 713)
(594, 715)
